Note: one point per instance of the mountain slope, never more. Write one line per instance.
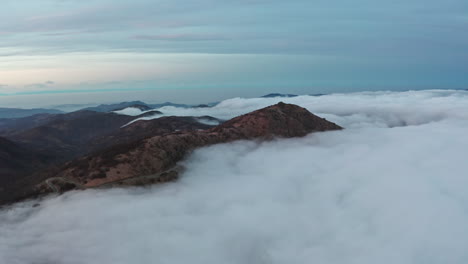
(18, 113)
(10, 126)
(16, 162)
(147, 128)
(68, 135)
(159, 153)
(44, 147)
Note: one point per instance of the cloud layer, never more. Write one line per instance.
(373, 193)
(352, 110)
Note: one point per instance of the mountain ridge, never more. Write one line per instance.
(162, 152)
(20, 112)
(143, 152)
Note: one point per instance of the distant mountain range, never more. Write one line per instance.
(113, 107)
(18, 113)
(272, 95)
(136, 104)
(14, 113)
(8, 113)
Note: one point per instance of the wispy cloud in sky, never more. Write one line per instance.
(343, 45)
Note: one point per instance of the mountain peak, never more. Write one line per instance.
(281, 119)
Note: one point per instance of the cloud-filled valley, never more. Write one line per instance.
(390, 188)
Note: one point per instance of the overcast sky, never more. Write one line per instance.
(177, 48)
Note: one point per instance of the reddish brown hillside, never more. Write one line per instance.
(159, 153)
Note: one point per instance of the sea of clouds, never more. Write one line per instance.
(352, 110)
(390, 188)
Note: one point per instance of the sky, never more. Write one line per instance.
(183, 50)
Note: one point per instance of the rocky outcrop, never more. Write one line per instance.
(157, 154)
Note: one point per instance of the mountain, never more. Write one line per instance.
(273, 95)
(109, 150)
(18, 113)
(205, 105)
(71, 135)
(201, 106)
(13, 157)
(151, 159)
(68, 135)
(280, 120)
(16, 162)
(146, 128)
(68, 108)
(113, 107)
(14, 125)
(137, 104)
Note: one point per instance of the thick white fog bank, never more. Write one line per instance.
(367, 195)
(383, 109)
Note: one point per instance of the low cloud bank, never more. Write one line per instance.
(371, 194)
(354, 110)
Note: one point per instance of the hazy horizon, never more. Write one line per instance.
(62, 101)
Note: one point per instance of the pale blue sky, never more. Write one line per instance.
(220, 47)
